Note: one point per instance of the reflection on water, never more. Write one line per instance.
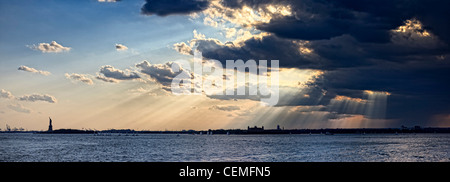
(258, 148)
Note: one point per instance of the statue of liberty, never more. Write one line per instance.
(50, 127)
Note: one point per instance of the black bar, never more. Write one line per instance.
(231, 170)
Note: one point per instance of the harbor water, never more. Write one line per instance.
(254, 148)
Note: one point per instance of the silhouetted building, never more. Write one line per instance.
(404, 127)
(255, 129)
(50, 127)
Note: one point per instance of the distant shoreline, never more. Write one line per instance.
(244, 132)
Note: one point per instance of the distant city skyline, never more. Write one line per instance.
(108, 64)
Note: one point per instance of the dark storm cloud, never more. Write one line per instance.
(268, 48)
(370, 56)
(342, 33)
(389, 13)
(366, 20)
(354, 42)
(164, 7)
(338, 52)
(417, 91)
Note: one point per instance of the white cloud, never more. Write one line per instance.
(198, 35)
(38, 97)
(6, 94)
(225, 108)
(162, 73)
(139, 91)
(30, 98)
(413, 34)
(209, 21)
(202, 43)
(32, 70)
(53, 47)
(109, 72)
(19, 108)
(308, 108)
(105, 79)
(239, 23)
(230, 32)
(245, 16)
(121, 47)
(148, 91)
(80, 77)
(183, 48)
(108, 1)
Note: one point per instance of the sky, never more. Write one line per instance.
(103, 64)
